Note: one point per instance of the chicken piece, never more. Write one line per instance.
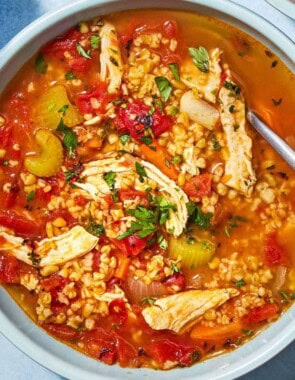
(199, 110)
(111, 65)
(180, 311)
(239, 173)
(16, 246)
(206, 83)
(124, 167)
(60, 249)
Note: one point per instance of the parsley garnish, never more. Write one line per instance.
(70, 75)
(94, 41)
(216, 145)
(276, 103)
(140, 170)
(31, 196)
(231, 108)
(174, 268)
(40, 64)
(163, 243)
(35, 259)
(176, 159)
(124, 139)
(240, 283)
(69, 137)
(175, 70)
(148, 301)
(196, 215)
(200, 58)
(109, 178)
(234, 88)
(95, 228)
(164, 87)
(248, 332)
(146, 140)
(63, 109)
(82, 52)
(173, 111)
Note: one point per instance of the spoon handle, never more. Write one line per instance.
(284, 150)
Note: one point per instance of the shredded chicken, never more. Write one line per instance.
(239, 173)
(96, 187)
(180, 311)
(60, 249)
(111, 66)
(17, 247)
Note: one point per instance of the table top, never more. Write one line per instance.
(15, 15)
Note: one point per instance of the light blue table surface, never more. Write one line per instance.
(14, 365)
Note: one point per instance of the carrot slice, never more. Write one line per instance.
(123, 268)
(160, 158)
(201, 332)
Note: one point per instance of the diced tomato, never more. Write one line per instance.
(79, 64)
(109, 199)
(198, 186)
(54, 282)
(131, 195)
(5, 136)
(128, 355)
(170, 28)
(163, 350)
(11, 197)
(62, 213)
(223, 77)
(86, 102)
(176, 280)
(9, 269)
(80, 200)
(261, 313)
(274, 253)
(96, 260)
(21, 225)
(142, 122)
(112, 282)
(131, 245)
(61, 331)
(101, 344)
(118, 311)
(67, 42)
(46, 195)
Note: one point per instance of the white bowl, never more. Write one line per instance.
(16, 326)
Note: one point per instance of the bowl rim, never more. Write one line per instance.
(278, 42)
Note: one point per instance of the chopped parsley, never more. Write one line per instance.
(234, 88)
(231, 108)
(70, 140)
(5, 162)
(110, 179)
(95, 41)
(175, 70)
(30, 196)
(164, 87)
(140, 170)
(82, 52)
(70, 75)
(248, 332)
(236, 127)
(63, 109)
(148, 301)
(95, 228)
(190, 240)
(276, 103)
(35, 258)
(173, 111)
(163, 243)
(198, 217)
(176, 159)
(271, 167)
(200, 58)
(40, 64)
(240, 283)
(124, 139)
(146, 140)
(175, 268)
(216, 145)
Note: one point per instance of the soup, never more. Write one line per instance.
(143, 221)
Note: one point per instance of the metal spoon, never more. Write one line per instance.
(284, 150)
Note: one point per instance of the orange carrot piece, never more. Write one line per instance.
(217, 333)
(123, 268)
(159, 157)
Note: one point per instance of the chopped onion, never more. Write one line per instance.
(137, 290)
(199, 110)
(280, 278)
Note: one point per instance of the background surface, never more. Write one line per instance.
(14, 365)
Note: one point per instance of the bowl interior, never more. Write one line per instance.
(15, 324)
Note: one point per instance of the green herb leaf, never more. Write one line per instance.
(70, 140)
(176, 159)
(63, 109)
(240, 283)
(284, 295)
(95, 228)
(146, 140)
(200, 58)
(82, 52)
(231, 108)
(190, 240)
(70, 75)
(164, 87)
(140, 170)
(175, 268)
(173, 111)
(110, 179)
(175, 70)
(124, 139)
(234, 88)
(163, 243)
(40, 64)
(148, 301)
(248, 332)
(276, 103)
(216, 145)
(95, 41)
(5, 162)
(31, 196)
(196, 215)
